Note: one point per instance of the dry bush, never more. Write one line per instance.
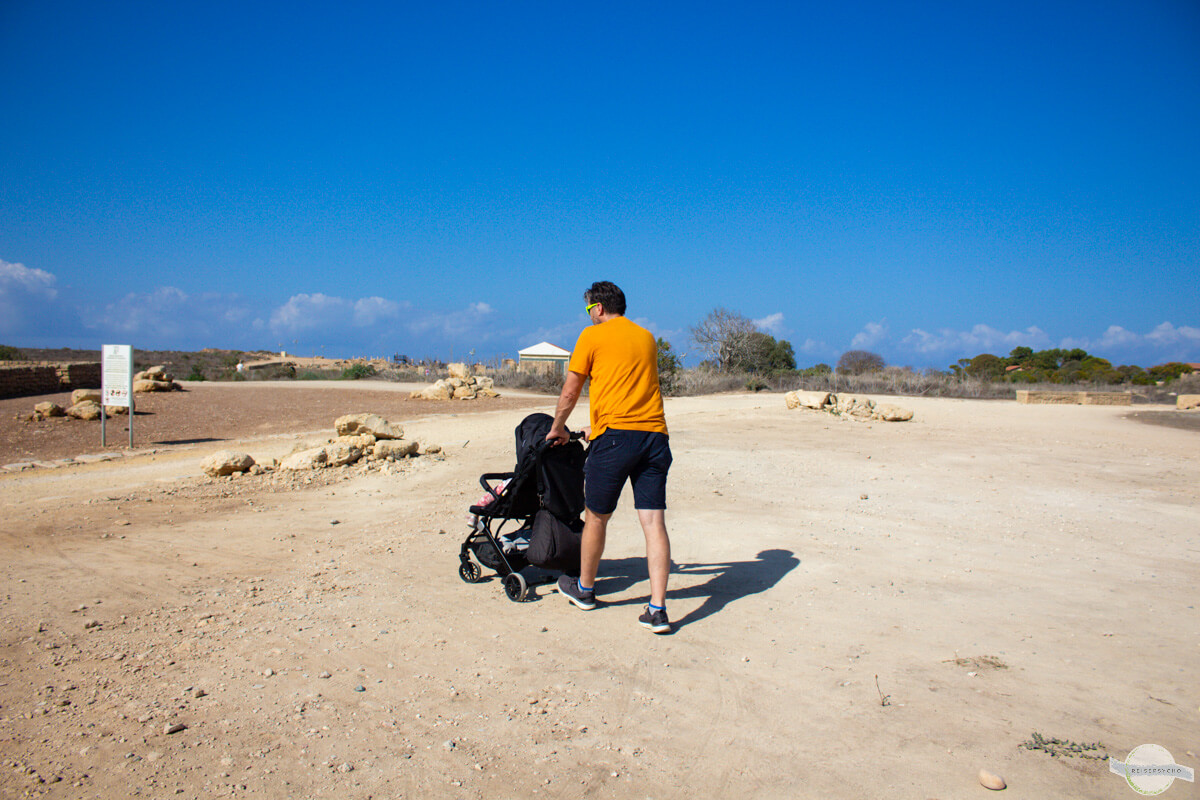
(542, 381)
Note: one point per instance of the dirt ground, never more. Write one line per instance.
(861, 609)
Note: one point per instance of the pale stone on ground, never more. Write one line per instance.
(48, 409)
(226, 462)
(373, 424)
(392, 449)
(804, 399)
(847, 405)
(1186, 402)
(890, 413)
(88, 409)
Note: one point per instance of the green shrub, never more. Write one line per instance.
(669, 366)
(357, 371)
(196, 374)
(9, 353)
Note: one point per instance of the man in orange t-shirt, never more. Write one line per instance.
(628, 442)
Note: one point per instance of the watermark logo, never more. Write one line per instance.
(1149, 769)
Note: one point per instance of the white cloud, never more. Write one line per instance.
(169, 316)
(371, 311)
(1167, 334)
(306, 312)
(18, 277)
(814, 347)
(871, 335)
(26, 297)
(772, 324)
(1165, 342)
(980, 339)
(472, 322)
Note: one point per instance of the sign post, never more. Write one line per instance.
(116, 369)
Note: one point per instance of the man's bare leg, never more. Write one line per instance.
(658, 552)
(595, 531)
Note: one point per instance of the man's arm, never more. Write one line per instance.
(572, 388)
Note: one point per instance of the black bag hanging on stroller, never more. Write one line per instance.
(544, 495)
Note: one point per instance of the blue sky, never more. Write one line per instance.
(927, 180)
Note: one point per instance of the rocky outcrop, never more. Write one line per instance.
(1187, 402)
(363, 438)
(155, 379)
(461, 385)
(848, 406)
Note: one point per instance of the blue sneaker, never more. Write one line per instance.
(569, 588)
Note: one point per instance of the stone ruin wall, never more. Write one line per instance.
(1075, 398)
(23, 379)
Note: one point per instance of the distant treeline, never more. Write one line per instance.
(1024, 365)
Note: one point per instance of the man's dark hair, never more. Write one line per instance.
(607, 294)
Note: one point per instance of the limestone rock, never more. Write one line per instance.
(463, 386)
(803, 399)
(145, 385)
(226, 462)
(155, 379)
(1187, 402)
(341, 451)
(116, 411)
(459, 370)
(436, 391)
(48, 409)
(88, 409)
(313, 458)
(373, 424)
(390, 449)
(79, 395)
(853, 406)
(890, 413)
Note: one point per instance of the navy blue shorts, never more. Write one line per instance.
(642, 457)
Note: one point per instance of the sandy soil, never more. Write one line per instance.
(862, 610)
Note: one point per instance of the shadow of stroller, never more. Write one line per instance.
(730, 581)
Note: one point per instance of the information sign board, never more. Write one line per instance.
(116, 384)
(117, 374)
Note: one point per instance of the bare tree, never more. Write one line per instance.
(856, 362)
(725, 337)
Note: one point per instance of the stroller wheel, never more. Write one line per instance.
(515, 587)
(469, 571)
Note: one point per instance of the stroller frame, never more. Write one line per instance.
(517, 501)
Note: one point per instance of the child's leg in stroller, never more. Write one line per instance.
(658, 553)
(595, 531)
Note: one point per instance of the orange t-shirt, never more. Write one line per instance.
(621, 359)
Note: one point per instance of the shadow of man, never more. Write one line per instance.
(730, 581)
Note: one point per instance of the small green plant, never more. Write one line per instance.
(9, 353)
(357, 371)
(197, 374)
(1065, 747)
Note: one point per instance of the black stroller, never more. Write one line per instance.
(545, 478)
